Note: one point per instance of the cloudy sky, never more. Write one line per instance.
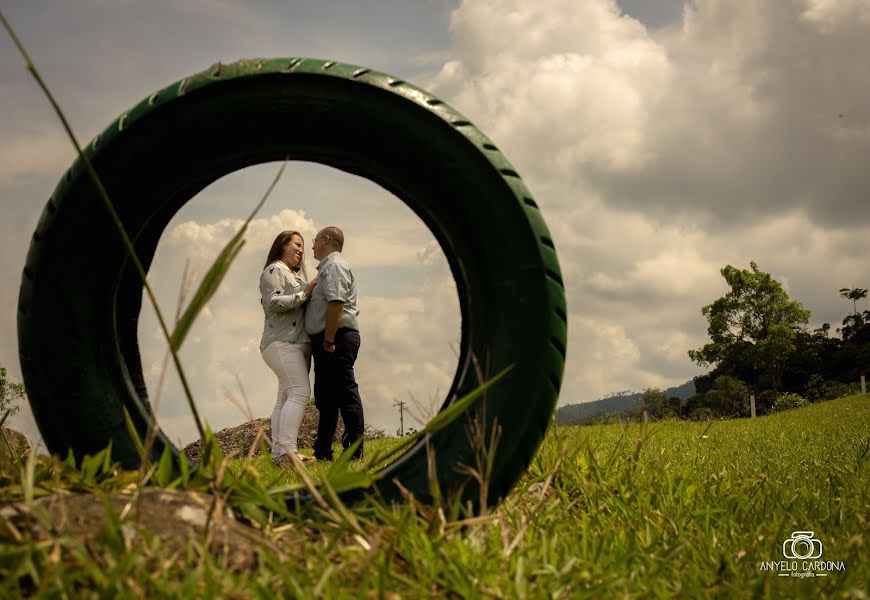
(662, 140)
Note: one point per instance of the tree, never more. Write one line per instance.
(852, 324)
(824, 330)
(729, 397)
(10, 393)
(755, 318)
(657, 403)
(853, 294)
(805, 362)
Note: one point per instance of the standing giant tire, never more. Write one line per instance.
(80, 297)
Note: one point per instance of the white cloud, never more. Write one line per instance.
(657, 158)
(561, 86)
(829, 14)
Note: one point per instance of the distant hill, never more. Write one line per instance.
(622, 402)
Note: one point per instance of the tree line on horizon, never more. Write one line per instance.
(760, 345)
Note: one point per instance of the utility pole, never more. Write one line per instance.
(401, 406)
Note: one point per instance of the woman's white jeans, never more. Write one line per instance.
(291, 363)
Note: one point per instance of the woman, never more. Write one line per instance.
(285, 345)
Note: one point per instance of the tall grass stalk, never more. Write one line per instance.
(110, 208)
(212, 278)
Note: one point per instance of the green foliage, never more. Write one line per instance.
(657, 402)
(608, 417)
(841, 390)
(853, 294)
(11, 393)
(820, 366)
(852, 325)
(702, 413)
(764, 402)
(756, 317)
(788, 401)
(729, 397)
(371, 432)
(816, 388)
(819, 389)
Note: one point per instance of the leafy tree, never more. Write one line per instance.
(737, 361)
(823, 331)
(370, 432)
(10, 393)
(819, 389)
(657, 403)
(852, 324)
(729, 397)
(807, 360)
(853, 294)
(757, 317)
(851, 356)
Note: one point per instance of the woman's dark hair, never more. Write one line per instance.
(277, 251)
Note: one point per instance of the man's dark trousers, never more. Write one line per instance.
(336, 391)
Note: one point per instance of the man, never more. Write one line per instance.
(331, 323)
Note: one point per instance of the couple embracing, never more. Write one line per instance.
(311, 319)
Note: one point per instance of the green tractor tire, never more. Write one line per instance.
(80, 296)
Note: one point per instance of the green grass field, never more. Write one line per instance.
(672, 509)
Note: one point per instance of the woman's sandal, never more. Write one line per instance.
(285, 461)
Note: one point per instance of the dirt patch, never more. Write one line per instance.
(238, 440)
(13, 448)
(175, 517)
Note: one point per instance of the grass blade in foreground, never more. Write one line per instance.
(218, 270)
(110, 207)
(686, 517)
(340, 479)
(443, 418)
(212, 279)
(343, 476)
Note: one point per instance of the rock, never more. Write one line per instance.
(174, 517)
(238, 440)
(19, 443)
(19, 447)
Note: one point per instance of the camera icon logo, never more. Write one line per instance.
(802, 546)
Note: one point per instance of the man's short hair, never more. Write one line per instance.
(335, 235)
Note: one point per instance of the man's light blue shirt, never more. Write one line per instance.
(336, 282)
